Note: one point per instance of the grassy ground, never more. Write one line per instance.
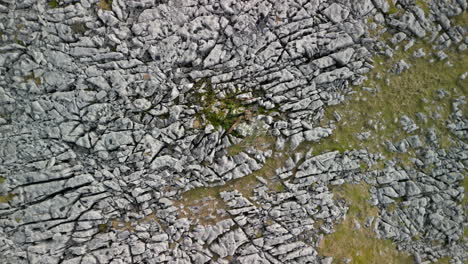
(119, 224)
(105, 5)
(378, 112)
(423, 5)
(5, 198)
(359, 245)
(218, 112)
(225, 111)
(461, 20)
(245, 185)
(258, 141)
(53, 3)
(410, 92)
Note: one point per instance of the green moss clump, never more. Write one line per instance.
(19, 42)
(105, 5)
(102, 228)
(78, 28)
(460, 20)
(223, 112)
(37, 80)
(7, 198)
(392, 8)
(53, 3)
(259, 140)
(423, 5)
(412, 91)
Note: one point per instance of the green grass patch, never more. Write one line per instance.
(78, 28)
(7, 198)
(460, 20)
(279, 187)
(412, 91)
(465, 190)
(103, 228)
(105, 5)
(423, 5)
(392, 8)
(357, 196)
(359, 245)
(444, 260)
(244, 185)
(19, 42)
(218, 112)
(2, 180)
(36, 80)
(259, 141)
(53, 4)
(226, 112)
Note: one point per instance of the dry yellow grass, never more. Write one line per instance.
(244, 185)
(206, 213)
(105, 5)
(118, 224)
(7, 198)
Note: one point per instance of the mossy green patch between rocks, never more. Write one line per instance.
(358, 244)
(78, 28)
(244, 185)
(377, 105)
(423, 5)
(259, 141)
(392, 8)
(7, 198)
(461, 19)
(105, 5)
(225, 112)
(53, 3)
(377, 110)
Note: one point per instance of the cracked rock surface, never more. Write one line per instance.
(109, 115)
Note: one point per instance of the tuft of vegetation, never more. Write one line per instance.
(78, 27)
(377, 105)
(392, 8)
(197, 197)
(36, 80)
(464, 184)
(105, 5)
(359, 245)
(444, 260)
(7, 198)
(259, 141)
(103, 228)
(226, 112)
(218, 112)
(19, 42)
(423, 5)
(118, 224)
(461, 19)
(53, 4)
